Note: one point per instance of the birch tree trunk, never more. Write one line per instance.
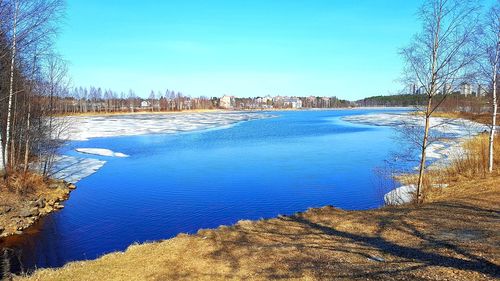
(11, 88)
(494, 111)
(424, 150)
(27, 144)
(2, 154)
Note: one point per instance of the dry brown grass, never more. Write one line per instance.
(474, 161)
(23, 184)
(483, 118)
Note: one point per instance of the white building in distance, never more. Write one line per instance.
(264, 100)
(481, 91)
(227, 102)
(447, 89)
(465, 89)
(292, 102)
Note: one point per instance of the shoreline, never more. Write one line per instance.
(220, 110)
(19, 215)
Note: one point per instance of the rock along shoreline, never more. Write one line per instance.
(16, 218)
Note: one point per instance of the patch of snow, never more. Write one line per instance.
(453, 131)
(73, 169)
(456, 127)
(101, 152)
(401, 195)
(86, 127)
(435, 150)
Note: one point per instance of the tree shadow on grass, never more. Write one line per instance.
(312, 244)
(474, 263)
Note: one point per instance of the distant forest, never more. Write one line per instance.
(451, 102)
(393, 100)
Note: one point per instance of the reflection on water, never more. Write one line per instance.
(181, 183)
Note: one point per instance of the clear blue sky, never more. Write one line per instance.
(239, 47)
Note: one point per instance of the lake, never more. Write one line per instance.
(179, 183)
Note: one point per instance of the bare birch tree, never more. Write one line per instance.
(27, 27)
(11, 85)
(57, 83)
(488, 68)
(438, 56)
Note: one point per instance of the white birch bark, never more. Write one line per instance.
(11, 87)
(494, 102)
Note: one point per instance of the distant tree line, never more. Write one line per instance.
(97, 100)
(455, 102)
(325, 102)
(403, 100)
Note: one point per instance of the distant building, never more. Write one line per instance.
(265, 100)
(481, 91)
(412, 89)
(466, 89)
(227, 102)
(292, 102)
(421, 90)
(145, 104)
(447, 89)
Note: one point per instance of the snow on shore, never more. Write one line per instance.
(86, 127)
(452, 131)
(401, 195)
(457, 127)
(73, 169)
(101, 152)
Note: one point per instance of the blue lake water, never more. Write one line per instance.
(181, 183)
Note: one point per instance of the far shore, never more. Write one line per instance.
(220, 110)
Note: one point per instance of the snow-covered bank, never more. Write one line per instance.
(86, 127)
(456, 127)
(450, 134)
(101, 152)
(401, 195)
(73, 169)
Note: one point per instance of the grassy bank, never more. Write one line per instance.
(466, 164)
(452, 236)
